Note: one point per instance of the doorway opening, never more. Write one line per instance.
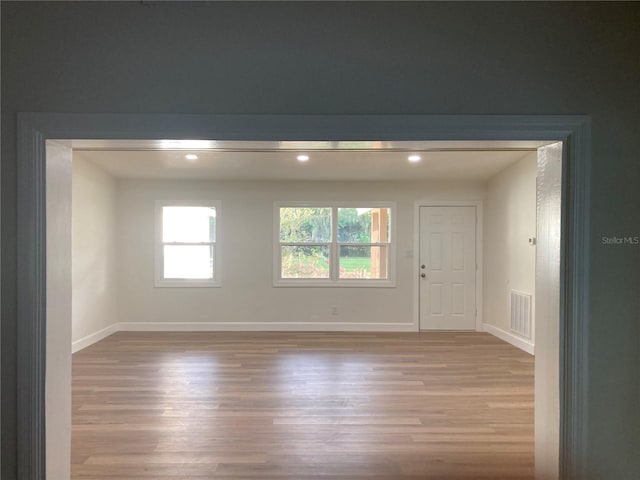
(53, 183)
(204, 206)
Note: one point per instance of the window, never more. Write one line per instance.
(328, 245)
(186, 247)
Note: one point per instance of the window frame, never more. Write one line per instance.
(334, 247)
(159, 280)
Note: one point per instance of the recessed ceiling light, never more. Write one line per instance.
(191, 156)
(414, 158)
(302, 158)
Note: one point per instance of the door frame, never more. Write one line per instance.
(34, 129)
(478, 204)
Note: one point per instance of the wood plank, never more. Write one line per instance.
(296, 405)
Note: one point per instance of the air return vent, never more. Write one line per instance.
(521, 313)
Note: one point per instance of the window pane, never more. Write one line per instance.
(364, 225)
(305, 224)
(188, 224)
(305, 262)
(364, 262)
(188, 261)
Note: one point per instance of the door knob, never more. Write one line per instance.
(423, 266)
(423, 275)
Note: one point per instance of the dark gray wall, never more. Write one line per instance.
(379, 58)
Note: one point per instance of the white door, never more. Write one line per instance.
(447, 268)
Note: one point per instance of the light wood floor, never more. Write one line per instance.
(164, 406)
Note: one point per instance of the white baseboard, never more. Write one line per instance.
(78, 345)
(515, 340)
(239, 327)
(84, 342)
(264, 327)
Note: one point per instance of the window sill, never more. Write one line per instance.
(186, 284)
(335, 284)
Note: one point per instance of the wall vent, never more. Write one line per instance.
(521, 313)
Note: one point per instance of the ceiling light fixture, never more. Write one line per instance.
(191, 156)
(414, 158)
(302, 158)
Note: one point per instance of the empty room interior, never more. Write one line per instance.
(282, 328)
(285, 310)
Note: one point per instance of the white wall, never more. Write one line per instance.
(247, 298)
(509, 222)
(94, 258)
(113, 254)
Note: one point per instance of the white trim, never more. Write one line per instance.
(89, 340)
(515, 340)
(479, 204)
(263, 327)
(333, 281)
(95, 337)
(92, 338)
(159, 281)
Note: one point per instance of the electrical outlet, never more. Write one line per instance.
(334, 310)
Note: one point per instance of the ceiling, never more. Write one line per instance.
(259, 163)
